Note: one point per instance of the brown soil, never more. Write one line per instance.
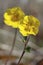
(15, 64)
(40, 62)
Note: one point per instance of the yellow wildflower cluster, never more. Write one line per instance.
(16, 18)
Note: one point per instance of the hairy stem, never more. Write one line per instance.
(12, 46)
(26, 42)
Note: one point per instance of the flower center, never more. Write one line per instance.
(15, 17)
(27, 28)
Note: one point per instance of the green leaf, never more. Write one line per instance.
(24, 38)
(28, 49)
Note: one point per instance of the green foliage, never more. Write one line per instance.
(28, 49)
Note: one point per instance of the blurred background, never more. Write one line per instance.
(30, 7)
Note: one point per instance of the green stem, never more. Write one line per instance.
(26, 42)
(12, 46)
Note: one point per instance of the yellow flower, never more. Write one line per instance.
(30, 26)
(13, 17)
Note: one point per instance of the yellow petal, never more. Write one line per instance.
(21, 27)
(26, 20)
(23, 32)
(11, 23)
(36, 22)
(15, 24)
(35, 30)
(8, 22)
(6, 16)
